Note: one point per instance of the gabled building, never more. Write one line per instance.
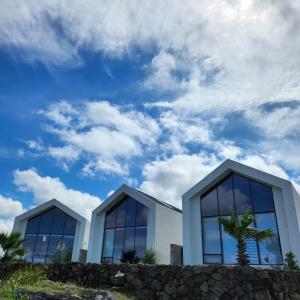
(234, 187)
(132, 220)
(52, 232)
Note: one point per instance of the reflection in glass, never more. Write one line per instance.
(225, 196)
(229, 248)
(242, 193)
(212, 259)
(126, 225)
(211, 236)
(262, 197)
(52, 234)
(209, 204)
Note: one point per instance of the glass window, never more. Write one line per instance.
(212, 259)
(70, 225)
(130, 212)
(58, 221)
(108, 243)
(33, 225)
(262, 197)
(242, 193)
(118, 244)
(252, 252)
(270, 252)
(141, 214)
(40, 250)
(29, 244)
(47, 238)
(209, 204)
(46, 222)
(225, 197)
(129, 239)
(211, 236)
(110, 221)
(121, 215)
(126, 225)
(140, 241)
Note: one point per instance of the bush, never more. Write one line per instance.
(129, 257)
(150, 257)
(290, 262)
(30, 276)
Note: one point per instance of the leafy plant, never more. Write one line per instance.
(29, 276)
(11, 245)
(290, 262)
(68, 256)
(150, 257)
(240, 228)
(129, 257)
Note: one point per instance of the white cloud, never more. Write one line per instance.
(46, 188)
(6, 225)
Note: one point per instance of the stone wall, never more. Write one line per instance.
(181, 282)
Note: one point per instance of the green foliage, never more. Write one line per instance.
(30, 276)
(290, 262)
(129, 257)
(11, 245)
(68, 256)
(241, 229)
(57, 258)
(150, 257)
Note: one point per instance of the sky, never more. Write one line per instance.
(153, 94)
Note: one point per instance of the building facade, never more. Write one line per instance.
(52, 232)
(234, 188)
(132, 220)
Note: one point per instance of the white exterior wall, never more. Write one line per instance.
(82, 226)
(168, 231)
(286, 201)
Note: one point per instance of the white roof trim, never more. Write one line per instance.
(232, 166)
(118, 195)
(47, 205)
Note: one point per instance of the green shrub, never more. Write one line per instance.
(29, 276)
(150, 257)
(129, 257)
(290, 262)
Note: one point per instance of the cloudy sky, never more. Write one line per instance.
(154, 94)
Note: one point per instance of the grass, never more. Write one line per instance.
(35, 280)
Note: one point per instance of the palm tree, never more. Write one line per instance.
(240, 228)
(11, 245)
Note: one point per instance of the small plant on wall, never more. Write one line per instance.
(290, 262)
(12, 246)
(241, 229)
(150, 257)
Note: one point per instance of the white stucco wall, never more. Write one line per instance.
(168, 231)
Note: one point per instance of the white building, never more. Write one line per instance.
(235, 187)
(52, 231)
(132, 220)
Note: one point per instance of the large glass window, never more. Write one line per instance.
(237, 193)
(49, 236)
(125, 230)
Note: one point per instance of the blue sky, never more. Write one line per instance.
(153, 94)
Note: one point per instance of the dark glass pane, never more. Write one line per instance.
(108, 245)
(211, 236)
(55, 245)
(140, 241)
(70, 225)
(242, 194)
(107, 260)
(29, 246)
(41, 248)
(262, 197)
(118, 244)
(141, 214)
(110, 221)
(121, 214)
(46, 222)
(68, 242)
(129, 239)
(209, 204)
(269, 249)
(225, 197)
(33, 225)
(229, 247)
(212, 259)
(130, 212)
(58, 221)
